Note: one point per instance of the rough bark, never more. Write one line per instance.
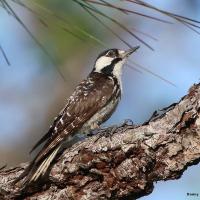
(124, 165)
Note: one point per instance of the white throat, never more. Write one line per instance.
(117, 71)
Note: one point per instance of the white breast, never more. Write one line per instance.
(117, 71)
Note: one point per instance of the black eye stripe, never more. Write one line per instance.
(111, 53)
(109, 68)
(115, 51)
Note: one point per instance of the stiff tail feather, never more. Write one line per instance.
(35, 169)
(42, 168)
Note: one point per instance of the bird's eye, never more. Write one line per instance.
(110, 54)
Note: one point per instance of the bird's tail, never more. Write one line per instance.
(42, 168)
(37, 169)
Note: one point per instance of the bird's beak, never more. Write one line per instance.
(129, 52)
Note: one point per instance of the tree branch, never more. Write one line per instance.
(124, 165)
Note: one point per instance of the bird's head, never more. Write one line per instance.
(110, 62)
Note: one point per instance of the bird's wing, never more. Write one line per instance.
(90, 96)
(87, 93)
(48, 134)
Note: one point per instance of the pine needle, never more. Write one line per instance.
(4, 55)
(152, 73)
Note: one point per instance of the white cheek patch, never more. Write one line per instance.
(102, 62)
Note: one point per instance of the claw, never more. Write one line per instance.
(110, 131)
(128, 122)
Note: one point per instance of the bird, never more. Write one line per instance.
(93, 102)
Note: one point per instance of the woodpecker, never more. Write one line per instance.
(92, 103)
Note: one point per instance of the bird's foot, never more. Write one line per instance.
(110, 131)
(93, 132)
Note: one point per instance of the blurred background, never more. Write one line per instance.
(35, 86)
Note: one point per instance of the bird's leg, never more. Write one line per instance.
(128, 123)
(94, 128)
(109, 131)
